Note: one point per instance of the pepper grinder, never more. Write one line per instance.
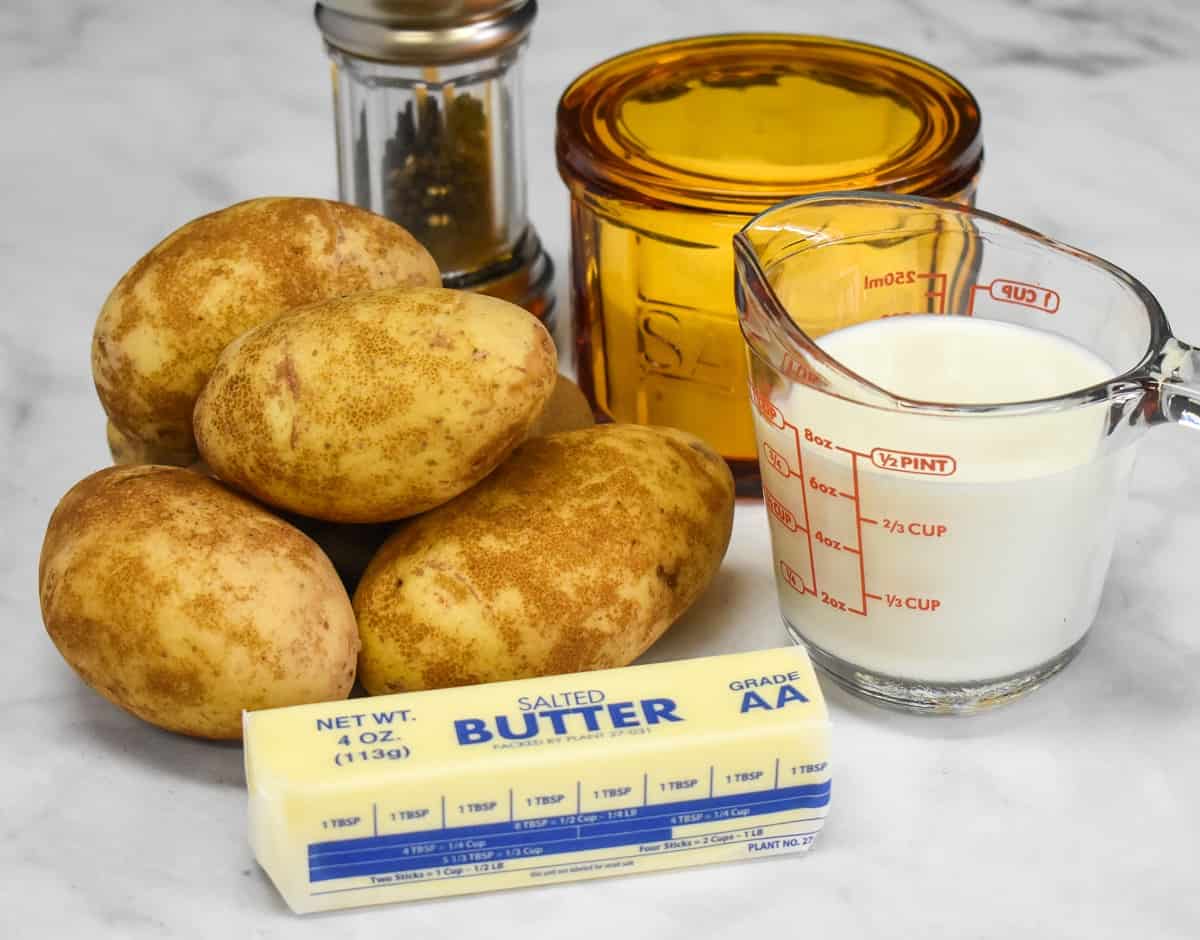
(427, 104)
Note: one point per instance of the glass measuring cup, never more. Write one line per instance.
(935, 555)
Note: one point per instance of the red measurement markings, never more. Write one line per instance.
(779, 462)
(762, 404)
(776, 461)
(794, 580)
(830, 542)
(862, 565)
(814, 438)
(1022, 294)
(913, 602)
(936, 291)
(797, 369)
(908, 461)
(928, 530)
(812, 560)
(775, 418)
(910, 602)
(781, 465)
(783, 515)
(826, 489)
(889, 279)
(835, 603)
(855, 498)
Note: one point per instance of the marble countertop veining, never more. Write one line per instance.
(1071, 814)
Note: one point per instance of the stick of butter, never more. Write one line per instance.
(538, 781)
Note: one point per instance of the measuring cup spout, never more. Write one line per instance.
(769, 325)
(763, 319)
(1177, 374)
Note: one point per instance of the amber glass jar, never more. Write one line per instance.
(669, 150)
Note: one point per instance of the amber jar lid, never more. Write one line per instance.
(740, 122)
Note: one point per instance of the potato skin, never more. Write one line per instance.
(576, 554)
(161, 329)
(375, 407)
(184, 603)
(127, 450)
(348, 547)
(566, 410)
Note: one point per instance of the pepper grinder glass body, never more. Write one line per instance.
(429, 133)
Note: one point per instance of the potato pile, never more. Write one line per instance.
(292, 399)
(163, 326)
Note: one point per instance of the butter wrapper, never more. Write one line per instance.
(537, 781)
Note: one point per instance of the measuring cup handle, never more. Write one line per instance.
(1178, 374)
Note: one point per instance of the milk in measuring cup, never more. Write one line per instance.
(940, 549)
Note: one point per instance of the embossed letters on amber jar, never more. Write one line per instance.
(669, 150)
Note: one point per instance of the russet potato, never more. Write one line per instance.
(375, 407)
(184, 603)
(576, 554)
(348, 546)
(161, 329)
(129, 450)
(566, 410)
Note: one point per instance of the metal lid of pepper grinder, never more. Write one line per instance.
(425, 32)
(427, 103)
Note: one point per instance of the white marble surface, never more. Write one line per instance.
(1071, 814)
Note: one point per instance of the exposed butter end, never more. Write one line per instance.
(538, 781)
